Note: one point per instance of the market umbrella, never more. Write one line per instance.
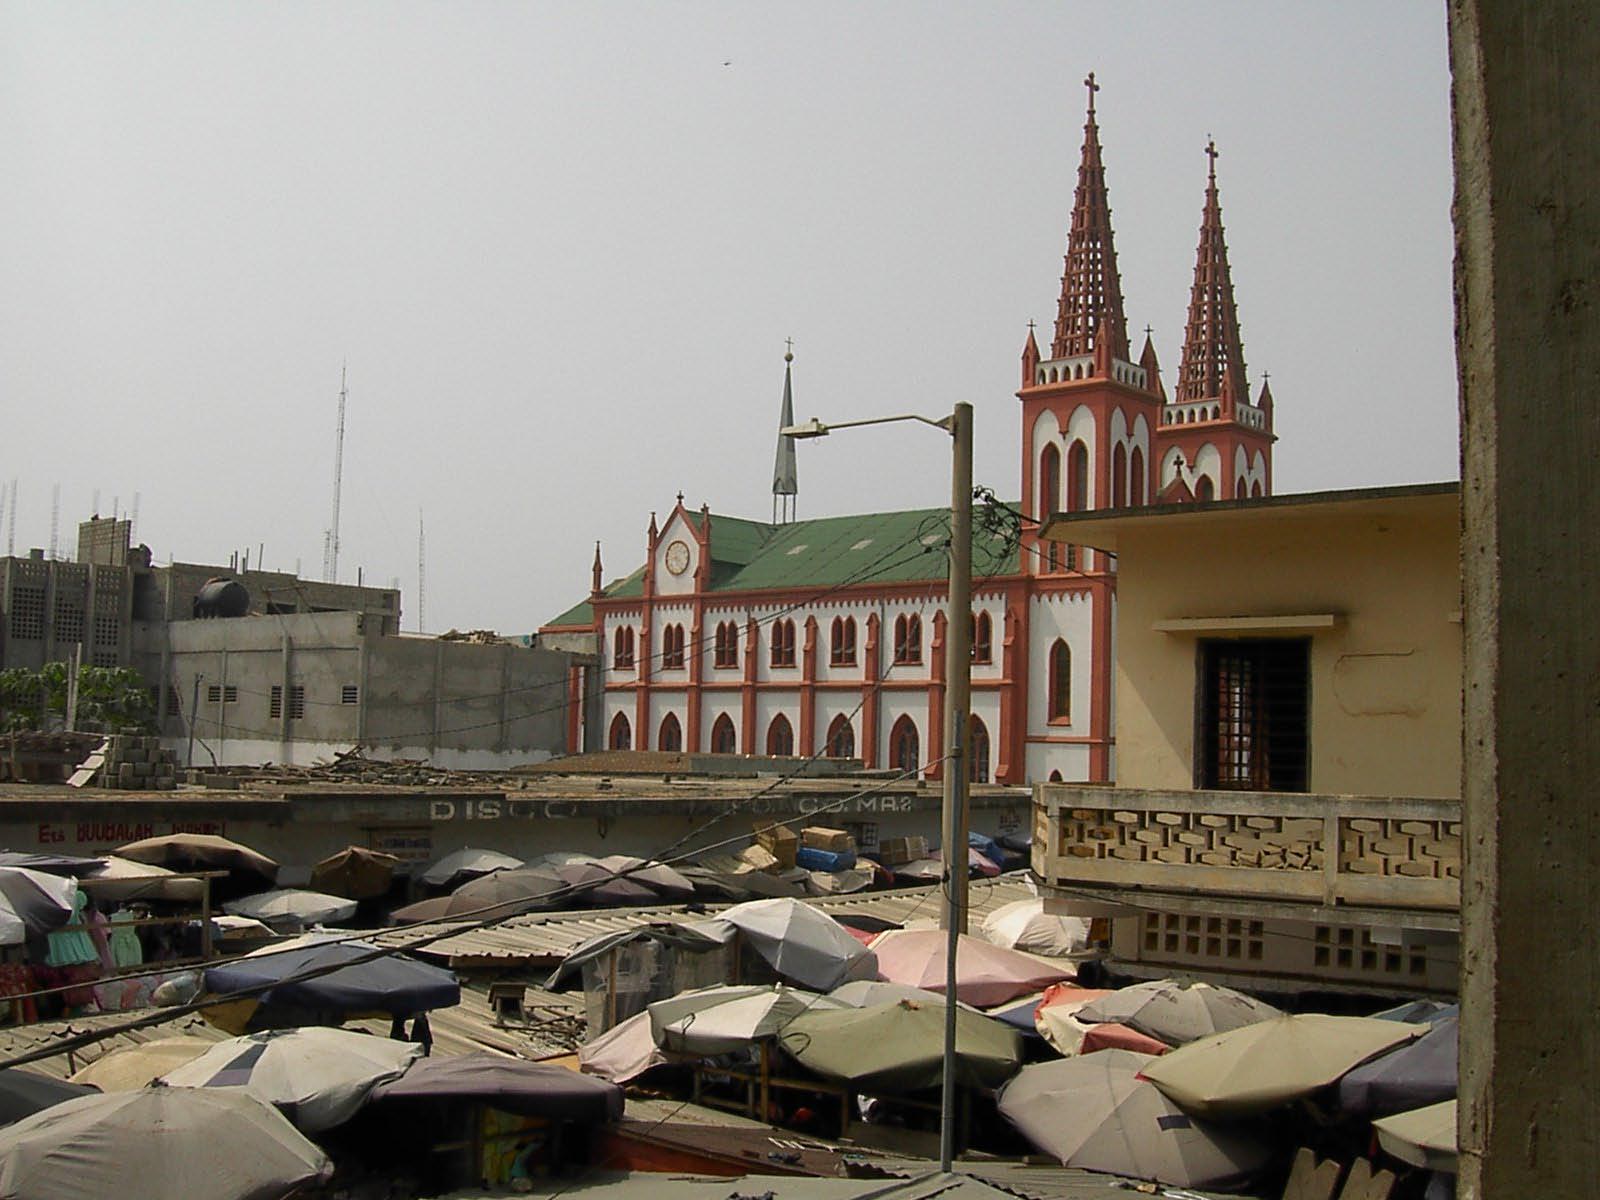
(1095, 1113)
(33, 903)
(1261, 1066)
(292, 909)
(129, 1068)
(1419, 1074)
(623, 1052)
(1419, 1012)
(23, 1093)
(670, 886)
(900, 1046)
(739, 885)
(317, 1077)
(1423, 1137)
(1020, 1014)
(599, 887)
(801, 943)
(512, 1085)
(1177, 1011)
(986, 974)
(1024, 925)
(157, 1143)
(525, 887)
(391, 984)
(731, 1022)
(840, 883)
(1056, 1020)
(117, 878)
(247, 870)
(355, 873)
(922, 870)
(50, 864)
(864, 993)
(467, 863)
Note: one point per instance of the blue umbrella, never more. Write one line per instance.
(391, 984)
(1419, 1012)
(1019, 1015)
(1416, 1075)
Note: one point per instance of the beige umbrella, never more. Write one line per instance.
(248, 870)
(1178, 1011)
(1096, 1113)
(1423, 1137)
(124, 879)
(130, 1068)
(1024, 925)
(356, 873)
(1261, 1066)
(899, 1046)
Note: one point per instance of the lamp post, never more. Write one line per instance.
(958, 694)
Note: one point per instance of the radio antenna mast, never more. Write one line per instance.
(55, 518)
(11, 522)
(422, 576)
(330, 544)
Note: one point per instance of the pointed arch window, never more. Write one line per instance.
(1119, 476)
(622, 648)
(842, 644)
(1077, 477)
(725, 646)
(908, 639)
(905, 748)
(724, 738)
(1055, 777)
(978, 752)
(1136, 489)
(1204, 489)
(1049, 482)
(671, 735)
(841, 738)
(780, 737)
(1060, 683)
(672, 646)
(982, 638)
(783, 643)
(1255, 490)
(1241, 489)
(621, 736)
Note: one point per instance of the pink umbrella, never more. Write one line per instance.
(1057, 1020)
(986, 974)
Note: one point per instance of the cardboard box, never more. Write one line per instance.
(756, 858)
(819, 837)
(779, 841)
(896, 852)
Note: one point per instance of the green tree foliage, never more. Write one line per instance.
(110, 699)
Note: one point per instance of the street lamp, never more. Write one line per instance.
(958, 693)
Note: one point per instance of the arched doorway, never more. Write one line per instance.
(905, 747)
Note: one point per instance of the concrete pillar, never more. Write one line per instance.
(1527, 212)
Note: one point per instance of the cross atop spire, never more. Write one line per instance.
(1212, 367)
(1091, 289)
(785, 471)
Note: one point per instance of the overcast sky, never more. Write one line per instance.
(560, 247)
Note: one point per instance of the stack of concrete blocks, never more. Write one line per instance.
(138, 764)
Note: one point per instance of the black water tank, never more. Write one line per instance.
(222, 598)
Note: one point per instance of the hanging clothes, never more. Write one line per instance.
(72, 945)
(126, 949)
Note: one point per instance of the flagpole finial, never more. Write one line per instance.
(788, 352)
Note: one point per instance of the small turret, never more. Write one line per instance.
(1030, 359)
(595, 586)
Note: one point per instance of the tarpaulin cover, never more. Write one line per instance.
(509, 1084)
(391, 984)
(156, 1144)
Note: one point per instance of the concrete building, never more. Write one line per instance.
(827, 635)
(297, 687)
(1288, 683)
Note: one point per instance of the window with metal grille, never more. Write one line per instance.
(218, 694)
(69, 621)
(349, 694)
(297, 701)
(1254, 733)
(174, 702)
(275, 702)
(27, 613)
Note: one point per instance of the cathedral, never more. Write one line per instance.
(792, 637)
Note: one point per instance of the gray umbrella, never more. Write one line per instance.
(1415, 1075)
(1094, 1112)
(156, 1143)
(1177, 1011)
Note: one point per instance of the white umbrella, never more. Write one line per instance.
(1261, 1066)
(1024, 925)
(291, 906)
(1423, 1137)
(318, 1077)
(33, 902)
(1178, 1011)
(119, 878)
(864, 993)
(734, 1022)
(1096, 1113)
(157, 1143)
(465, 863)
(802, 943)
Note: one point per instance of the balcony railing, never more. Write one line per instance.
(1322, 852)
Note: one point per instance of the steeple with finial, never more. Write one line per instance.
(1091, 290)
(1212, 367)
(596, 588)
(785, 471)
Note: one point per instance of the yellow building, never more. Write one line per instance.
(1288, 757)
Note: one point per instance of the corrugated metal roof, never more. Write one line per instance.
(547, 937)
